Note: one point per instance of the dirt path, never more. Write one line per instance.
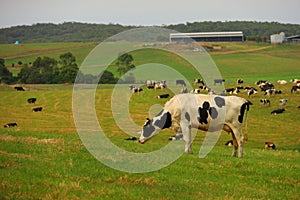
(239, 51)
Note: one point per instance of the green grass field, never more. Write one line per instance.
(44, 158)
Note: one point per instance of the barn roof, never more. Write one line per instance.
(207, 34)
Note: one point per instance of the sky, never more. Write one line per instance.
(146, 12)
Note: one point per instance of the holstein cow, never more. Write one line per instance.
(240, 81)
(265, 102)
(295, 88)
(186, 111)
(198, 81)
(278, 111)
(163, 96)
(8, 125)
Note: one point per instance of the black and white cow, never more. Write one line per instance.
(186, 111)
(251, 92)
(240, 81)
(270, 145)
(232, 90)
(37, 109)
(282, 102)
(31, 100)
(163, 96)
(9, 125)
(295, 88)
(265, 102)
(198, 81)
(278, 111)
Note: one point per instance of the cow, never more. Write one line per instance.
(19, 88)
(195, 91)
(265, 102)
(278, 111)
(9, 125)
(37, 109)
(282, 102)
(184, 90)
(198, 81)
(31, 100)
(270, 145)
(135, 89)
(180, 82)
(295, 81)
(266, 86)
(163, 96)
(218, 81)
(229, 143)
(295, 88)
(240, 81)
(131, 138)
(232, 90)
(160, 85)
(251, 92)
(282, 82)
(186, 111)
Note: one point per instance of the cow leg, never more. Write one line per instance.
(235, 145)
(187, 136)
(237, 136)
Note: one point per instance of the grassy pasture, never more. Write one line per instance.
(43, 158)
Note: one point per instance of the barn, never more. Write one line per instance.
(235, 36)
(293, 39)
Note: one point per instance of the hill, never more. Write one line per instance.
(84, 32)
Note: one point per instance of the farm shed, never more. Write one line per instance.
(277, 38)
(235, 36)
(293, 39)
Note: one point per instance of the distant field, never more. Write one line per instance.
(44, 158)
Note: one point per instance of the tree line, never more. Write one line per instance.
(85, 32)
(46, 70)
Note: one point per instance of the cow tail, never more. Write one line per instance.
(248, 103)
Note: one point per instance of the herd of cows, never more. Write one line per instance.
(180, 114)
(200, 107)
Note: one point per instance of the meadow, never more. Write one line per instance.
(44, 158)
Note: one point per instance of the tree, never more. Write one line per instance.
(124, 63)
(69, 69)
(5, 75)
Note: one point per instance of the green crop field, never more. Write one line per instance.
(44, 158)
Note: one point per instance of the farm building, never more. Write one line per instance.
(277, 38)
(293, 39)
(236, 36)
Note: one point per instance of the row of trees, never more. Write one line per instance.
(48, 70)
(83, 32)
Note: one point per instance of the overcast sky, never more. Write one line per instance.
(146, 12)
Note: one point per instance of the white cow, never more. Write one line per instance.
(186, 111)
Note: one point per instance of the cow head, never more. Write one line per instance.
(153, 126)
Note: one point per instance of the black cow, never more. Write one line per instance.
(218, 81)
(239, 81)
(180, 82)
(19, 88)
(163, 96)
(37, 109)
(8, 125)
(31, 100)
(131, 138)
(278, 111)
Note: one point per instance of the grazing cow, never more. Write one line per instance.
(19, 88)
(229, 143)
(184, 90)
(232, 90)
(270, 145)
(295, 81)
(251, 92)
(131, 138)
(282, 82)
(219, 81)
(37, 109)
(278, 111)
(282, 102)
(198, 81)
(135, 89)
(31, 100)
(186, 111)
(295, 88)
(195, 91)
(266, 86)
(240, 81)
(176, 137)
(260, 82)
(180, 82)
(9, 125)
(163, 96)
(160, 85)
(265, 102)
(240, 87)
